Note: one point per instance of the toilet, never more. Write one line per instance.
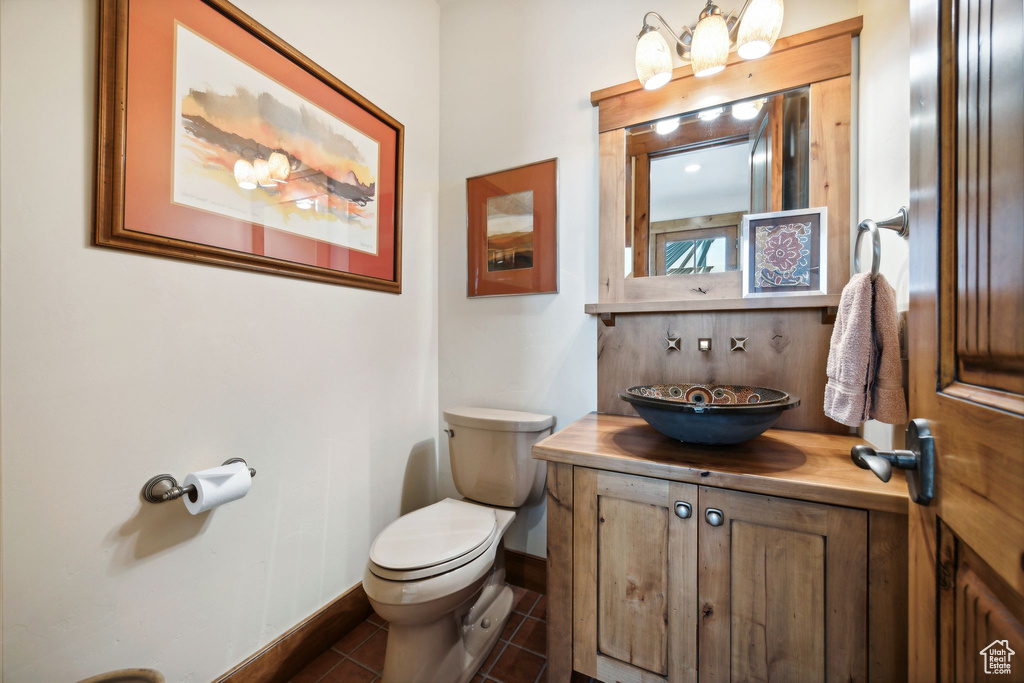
(437, 575)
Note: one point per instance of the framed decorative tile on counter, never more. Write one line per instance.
(785, 253)
(513, 231)
(219, 142)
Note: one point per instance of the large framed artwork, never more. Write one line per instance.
(785, 253)
(513, 231)
(219, 142)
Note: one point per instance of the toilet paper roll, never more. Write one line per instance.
(217, 486)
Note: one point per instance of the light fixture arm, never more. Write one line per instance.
(685, 38)
(732, 21)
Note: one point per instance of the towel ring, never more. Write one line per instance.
(898, 223)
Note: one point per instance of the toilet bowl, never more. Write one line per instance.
(437, 575)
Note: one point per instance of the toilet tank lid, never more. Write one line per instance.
(498, 420)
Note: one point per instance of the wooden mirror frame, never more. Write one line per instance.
(822, 59)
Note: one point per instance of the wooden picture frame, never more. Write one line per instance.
(512, 231)
(798, 242)
(312, 221)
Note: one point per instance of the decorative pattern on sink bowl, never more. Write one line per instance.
(710, 414)
(716, 394)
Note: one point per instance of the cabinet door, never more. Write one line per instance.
(783, 590)
(635, 578)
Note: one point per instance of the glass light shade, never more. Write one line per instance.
(261, 168)
(653, 60)
(710, 114)
(279, 166)
(710, 47)
(759, 29)
(245, 175)
(666, 126)
(744, 111)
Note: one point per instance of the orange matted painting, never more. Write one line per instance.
(513, 231)
(219, 142)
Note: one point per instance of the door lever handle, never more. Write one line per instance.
(918, 460)
(882, 462)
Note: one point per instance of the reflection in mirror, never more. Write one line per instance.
(693, 177)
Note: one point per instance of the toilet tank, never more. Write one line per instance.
(490, 453)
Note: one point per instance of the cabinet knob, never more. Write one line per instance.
(683, 510)
(714, 516)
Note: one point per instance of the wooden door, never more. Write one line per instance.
(966, 549)
(783, 590)
(635, 576)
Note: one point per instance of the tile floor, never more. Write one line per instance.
(519, 656)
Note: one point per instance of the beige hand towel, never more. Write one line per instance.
(851, 355)
(888, 404)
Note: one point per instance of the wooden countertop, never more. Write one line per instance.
(803, 465)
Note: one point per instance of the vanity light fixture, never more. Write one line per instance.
(245, 175)
(692, 168)
(653, 60)
(760, 29)
(666, 126)
(710, 114)
(280, 168)
(744, 111)
(262, 172)
(261, 167)
(709, 49)
(752, 33)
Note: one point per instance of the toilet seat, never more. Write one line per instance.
(433, 540)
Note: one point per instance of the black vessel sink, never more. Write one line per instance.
(710, 414)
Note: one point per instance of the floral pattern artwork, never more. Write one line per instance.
(785, 253)
(782, 255)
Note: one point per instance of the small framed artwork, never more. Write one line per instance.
(513, 231)
(218, 142)
(784, 253)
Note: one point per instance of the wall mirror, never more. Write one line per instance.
(680, 166)
(691, 178)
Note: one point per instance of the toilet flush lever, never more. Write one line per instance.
(450, 433)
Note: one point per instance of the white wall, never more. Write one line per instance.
(516, 77)
(884, 151)
(721, 184)
(116, 367)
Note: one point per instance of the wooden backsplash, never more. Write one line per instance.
(785, 349)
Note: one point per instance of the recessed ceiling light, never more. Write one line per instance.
(692, 168)
(666, 126)
(710, 114)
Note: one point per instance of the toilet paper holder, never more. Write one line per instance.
(164, 487)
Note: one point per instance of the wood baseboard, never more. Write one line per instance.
(287, 655)
(528, 571)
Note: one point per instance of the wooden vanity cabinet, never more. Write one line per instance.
(635, 559)
(773, 560)
(782, 589)
(775, 590)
